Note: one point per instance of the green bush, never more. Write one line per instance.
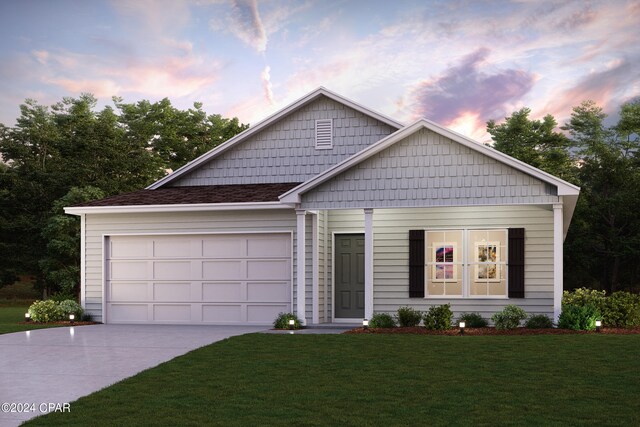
(71, 307)
(509, 318)
(621, 309)
(438, 317)
(579, 317)
(382, 320)
(584, 296)
(538, 321)
(282, 321)
(408, 317)
(473, 320)
(46, 311)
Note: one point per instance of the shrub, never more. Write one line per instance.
(584, 296)
(621, 309)
(86, 317)
(62, 296)
(282, 321)
(408, 317)
(46, 311)
(538, 321)
(473, 320)
(382, 320)
(71, 307)
(579, 317)
(509, 318)
(438, 317)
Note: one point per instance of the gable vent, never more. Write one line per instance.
(324, 134)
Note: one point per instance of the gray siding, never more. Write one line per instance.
(162, 223)
(285, 151)
(427, 169)
(391, 253)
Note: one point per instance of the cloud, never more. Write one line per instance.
(246, 24)
(100, 88)
(42, 56)
(265, 76)
(465, 90)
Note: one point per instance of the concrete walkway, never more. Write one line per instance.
(59, 365)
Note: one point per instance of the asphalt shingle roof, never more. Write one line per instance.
(236, 193)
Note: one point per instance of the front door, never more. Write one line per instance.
(349, 276)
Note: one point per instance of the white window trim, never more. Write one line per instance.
(466, 266)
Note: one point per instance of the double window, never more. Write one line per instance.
(466, 263)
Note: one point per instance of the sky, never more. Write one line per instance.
(458, 63)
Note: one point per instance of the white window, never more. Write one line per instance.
(466, 263)
(324, 134)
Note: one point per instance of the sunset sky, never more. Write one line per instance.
(459, 63)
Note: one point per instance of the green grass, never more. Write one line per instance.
(380, 380)
(10, 318)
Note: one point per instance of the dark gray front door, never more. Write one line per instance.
(349, 280)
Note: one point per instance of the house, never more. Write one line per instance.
(335, 212)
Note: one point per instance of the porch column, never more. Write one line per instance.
(368, 263)
(558, 239)
(300, 266)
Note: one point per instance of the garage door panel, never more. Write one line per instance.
(274, 246)
(129, 312)
(277, 269)
(129, 291)
(172, 313)
(128, 270)
(129, 247)
(224, 279)
(222, 270)
(223, 247)
(172, 248)
(264, 313)
(222, 313)
(172, 291)
(275, 292)
(222, 291)
(172, 270)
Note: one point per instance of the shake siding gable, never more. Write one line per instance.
(286, 150)
(428, 169)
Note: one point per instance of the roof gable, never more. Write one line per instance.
(225, 147)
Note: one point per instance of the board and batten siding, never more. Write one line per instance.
(286, 150)
(98, 225)
(428, 169)
(391, 253)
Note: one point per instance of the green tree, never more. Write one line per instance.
(50, 150)
(604, 239)
(534, 142)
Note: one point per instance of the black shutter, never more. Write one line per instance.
(516, 263)
(416, 263)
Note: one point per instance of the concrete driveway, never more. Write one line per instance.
(59, 365)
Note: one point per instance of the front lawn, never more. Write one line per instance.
(385, 380)
(11, 316)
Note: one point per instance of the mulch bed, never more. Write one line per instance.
(492, 331)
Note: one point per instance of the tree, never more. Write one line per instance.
(50, 150)
(534, 142)
(608, 213)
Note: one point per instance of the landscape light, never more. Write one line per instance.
(72, 318)
(598, 325)
(365, 324)
(292, 323)
(27, 316)
(462, 325)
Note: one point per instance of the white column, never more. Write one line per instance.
(315, 282)
(83, 260)
(301, 266)
(558, 239)
(368, 263)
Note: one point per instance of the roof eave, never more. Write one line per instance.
(191, 207)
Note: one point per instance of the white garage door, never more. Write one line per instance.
(207, 279)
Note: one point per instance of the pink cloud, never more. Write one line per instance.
(463, 90)
(100, 88)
